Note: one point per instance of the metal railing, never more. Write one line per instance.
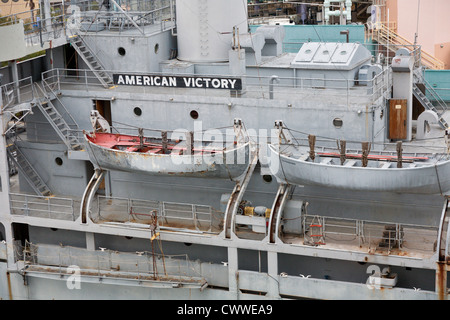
(126, 5)
(373, 235)
(63, 110)
(37, 27)
(388, 37)
(444, 93)
(271, 8)
(121, 210)
(16, 102)
(137, 266)
(14, 93)
(377, 49)
(265, 20)
(113, 209)
(184, 215)
(432, 94)
(60, 21)
(121, 15)
(43, 207)
(259, 87)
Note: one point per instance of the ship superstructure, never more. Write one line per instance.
(120, 219)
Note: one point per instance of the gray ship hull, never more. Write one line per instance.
(81, 222)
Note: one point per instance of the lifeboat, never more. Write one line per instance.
(421, 174)
(162, 156)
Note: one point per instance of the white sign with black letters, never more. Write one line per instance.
(178, 81)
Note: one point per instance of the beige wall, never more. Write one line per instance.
(12, 7)
(442, 52)
(393, 10)
(433, 21)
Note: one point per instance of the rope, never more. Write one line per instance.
(438, 180)
(160, 130)
(281, 166)
(373, 143)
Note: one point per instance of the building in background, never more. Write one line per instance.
(426, 18)
(9, 7)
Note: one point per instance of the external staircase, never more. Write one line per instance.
(429, 106)
(387, 37)
(67, 133)
(59, 124)
(91, 60)
(66, 129)
(439, 106)
(28, 172)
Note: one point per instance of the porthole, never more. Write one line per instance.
(59, 161)
(156, 48)
(194, 114)
(137, 111)
(338, 123)
(121, 51)
(267, 178)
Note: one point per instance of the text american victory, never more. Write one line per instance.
(178, 81)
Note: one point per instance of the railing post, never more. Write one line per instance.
(58, 79)
(49, 208)
(210, 218)
(73, 211)
(98, 206)
(98, 265)
(59, 258)
(26, 208)
(137, 265)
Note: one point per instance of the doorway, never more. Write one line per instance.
(104, 108)
(70, 60)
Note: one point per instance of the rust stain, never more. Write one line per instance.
(441, 280)
(9, 285)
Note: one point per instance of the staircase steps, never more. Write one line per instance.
(426, 103)
(392, 238)
(91, 60)
(29, 173)
(386, 36)
(59, 124)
